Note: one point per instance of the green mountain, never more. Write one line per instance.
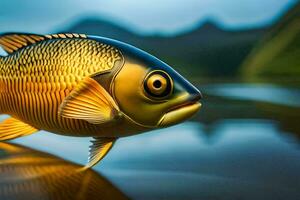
(205, 51)
(278, 53)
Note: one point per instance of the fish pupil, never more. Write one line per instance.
(157, 84)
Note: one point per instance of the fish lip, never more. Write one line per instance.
(193, 99)
(179, 113)
(183, 105)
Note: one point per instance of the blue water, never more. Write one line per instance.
(257, 92)
(212, 156)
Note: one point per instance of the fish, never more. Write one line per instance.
(88, 86)
(27, 173)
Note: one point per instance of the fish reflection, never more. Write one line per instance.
(29, 174)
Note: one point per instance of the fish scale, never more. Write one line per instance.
(35, 80)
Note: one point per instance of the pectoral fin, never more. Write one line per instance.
(12, 128)
(99, 148)
(90, 102)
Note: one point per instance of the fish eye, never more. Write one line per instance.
(158, 84)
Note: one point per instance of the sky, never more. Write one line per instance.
(143, 16)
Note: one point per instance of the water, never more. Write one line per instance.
(243, 144)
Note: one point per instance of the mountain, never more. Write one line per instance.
(207, 50)
(277, 54)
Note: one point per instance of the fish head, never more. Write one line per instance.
(150, 92)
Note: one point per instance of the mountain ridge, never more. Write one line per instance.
(278, 52)
(206, 50)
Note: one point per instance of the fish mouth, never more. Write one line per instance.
(181, 112)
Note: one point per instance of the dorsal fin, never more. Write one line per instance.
(12, 42)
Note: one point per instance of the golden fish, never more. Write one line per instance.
(79, 85)
(30, 174)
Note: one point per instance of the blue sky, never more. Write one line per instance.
(147, 16)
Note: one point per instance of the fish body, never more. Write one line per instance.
(88, 86)
(35, 81)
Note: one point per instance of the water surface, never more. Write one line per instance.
(243, 144)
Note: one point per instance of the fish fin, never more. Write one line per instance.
(12, 128)
(12, 42)
(91, 102)
(99, 148)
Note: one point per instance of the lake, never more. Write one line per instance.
(243, 144)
